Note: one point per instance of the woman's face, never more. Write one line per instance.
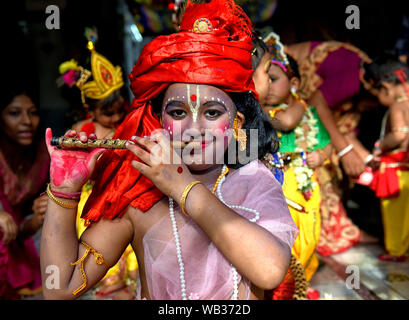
(110, 117)
(279, 88)
(201, 113)
(20, 120)
(261, 79)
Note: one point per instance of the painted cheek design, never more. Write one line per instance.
(175, 128)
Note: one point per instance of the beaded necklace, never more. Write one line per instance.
(217, 188)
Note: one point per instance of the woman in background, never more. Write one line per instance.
(24, 165)
(330, 78)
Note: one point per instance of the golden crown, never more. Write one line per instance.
(105, 77)
(276, 49)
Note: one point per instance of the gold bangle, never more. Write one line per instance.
(59, 202)
(184, 196)
(327, 160)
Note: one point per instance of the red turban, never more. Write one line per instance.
(214, 47)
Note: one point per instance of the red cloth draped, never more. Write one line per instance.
(386, 181)
(221, 58)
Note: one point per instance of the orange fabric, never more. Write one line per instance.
(221, 58)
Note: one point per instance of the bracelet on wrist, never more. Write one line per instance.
(184, 195)
(325, 156)
(66, 195)
(344, 151)
(58, 201)
(368, 159)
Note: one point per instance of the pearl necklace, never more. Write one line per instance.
(217, 188)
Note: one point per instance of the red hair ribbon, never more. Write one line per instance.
(400, 73)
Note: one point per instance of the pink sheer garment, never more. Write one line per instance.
(208, 275)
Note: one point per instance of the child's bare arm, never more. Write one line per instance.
(397, 134)
(60, 248)
(318, 158)
(351, 162)
(291, 116)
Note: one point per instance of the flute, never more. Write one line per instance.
(75, 143)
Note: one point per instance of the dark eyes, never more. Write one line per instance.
(180, 113)
(212, 113)
(15, 113)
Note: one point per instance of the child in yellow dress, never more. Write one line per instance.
(304, 146)
(388, 79)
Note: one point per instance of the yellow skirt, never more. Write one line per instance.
(309, 223)
(395, 216)
(128, 257)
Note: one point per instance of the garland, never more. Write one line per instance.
(303, 173)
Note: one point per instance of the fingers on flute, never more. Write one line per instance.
(162, 140)
(70, 133)
(82, 136)
(144, 143)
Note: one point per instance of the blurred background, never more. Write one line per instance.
(32, 53)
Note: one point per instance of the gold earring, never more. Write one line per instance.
(240, 135)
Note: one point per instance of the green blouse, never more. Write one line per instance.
(287, 139)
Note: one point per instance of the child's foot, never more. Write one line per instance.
(388, 257)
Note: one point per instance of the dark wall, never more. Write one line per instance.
(33, 53)
(317, 20)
